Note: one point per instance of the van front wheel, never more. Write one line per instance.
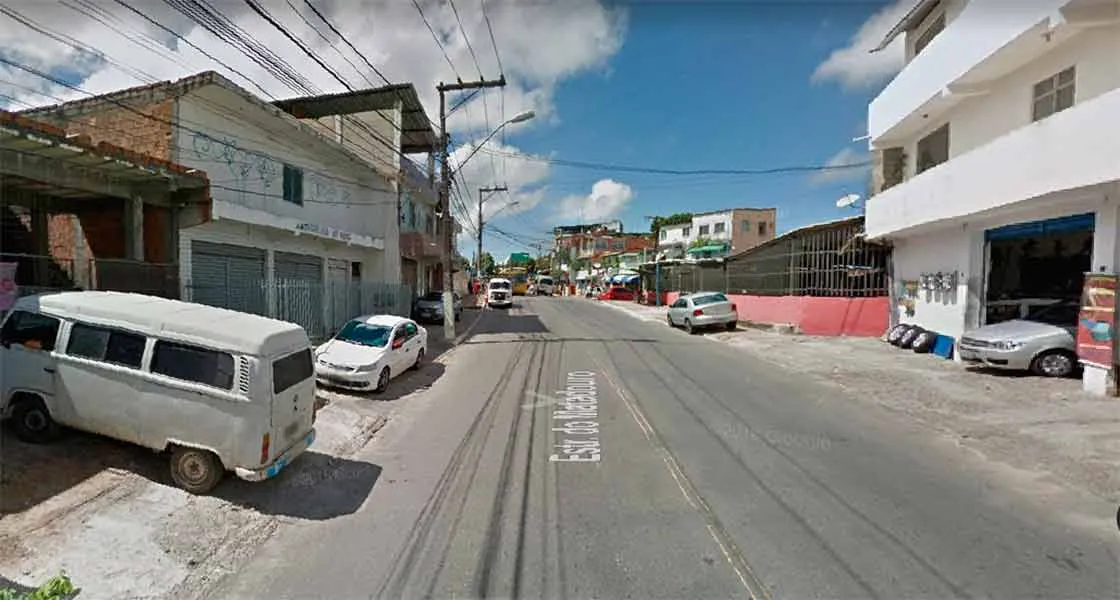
(197, 471)
(32, 422)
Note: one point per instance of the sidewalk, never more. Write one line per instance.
(92, 506)
(1047, 427)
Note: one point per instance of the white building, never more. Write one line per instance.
(998, 155)
(674, 240)
(723, 232)
(303, 223)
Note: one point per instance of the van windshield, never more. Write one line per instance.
(499, 285)
(546, 281)
(364, 334)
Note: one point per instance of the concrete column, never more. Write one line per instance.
(270, 283)
(41, 238)
(134, 228)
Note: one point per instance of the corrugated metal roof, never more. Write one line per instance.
(417, 134)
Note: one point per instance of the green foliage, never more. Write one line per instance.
(673, 219)
(701, 241)
(58, 587)
(487, 264)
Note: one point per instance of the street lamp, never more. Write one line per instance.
(520, 117)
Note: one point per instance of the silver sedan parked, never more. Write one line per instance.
(1044, 342)
(702, 310)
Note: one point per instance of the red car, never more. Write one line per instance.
(618, 293)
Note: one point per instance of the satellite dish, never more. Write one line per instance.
(847, 201)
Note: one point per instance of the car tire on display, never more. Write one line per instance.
(195, 470)
(907, 340)
(896, 336)
(1054, 363)
(382, 381)
(896, 332)
(924, 342)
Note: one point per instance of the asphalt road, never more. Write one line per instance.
(716, 477)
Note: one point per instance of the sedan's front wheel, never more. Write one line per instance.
(1054, 363)
(382, 381)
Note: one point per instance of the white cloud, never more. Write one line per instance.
(854, 66)
(524, 178)
(540, 45)
(846, 156)
(607, 200)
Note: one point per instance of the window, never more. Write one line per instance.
(106, 345)
(745, 225)
(293, 185)
(193, 363)
(364, 334)
(31, 330)
(292, 369)
(687, 231)
(410, 330)
(762, 228)
(718, 228)
(703, 230)
(933, 149)
(709, 299)
(1053, 94)
(663, 234)
(935, 27)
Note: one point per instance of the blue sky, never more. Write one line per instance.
(720, 86)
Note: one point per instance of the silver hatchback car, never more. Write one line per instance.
(1044, 342)
(703, 310)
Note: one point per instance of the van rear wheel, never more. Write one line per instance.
(195, 470)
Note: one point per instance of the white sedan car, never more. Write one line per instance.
(370, 351)
(703, 310)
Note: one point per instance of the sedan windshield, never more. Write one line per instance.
(364, 334)
(433, 296)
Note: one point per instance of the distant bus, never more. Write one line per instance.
(519, 276)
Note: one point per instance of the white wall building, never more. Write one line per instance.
(303, 223)
(674, 240)
(998, 155)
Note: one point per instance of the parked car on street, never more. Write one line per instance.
(703, 310)
(499, 292)
(545, 286)
(618, 292)
(429, 308)
(218, 390)
(1044, 342)
(369, 351)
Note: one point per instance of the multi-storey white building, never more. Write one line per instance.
(303, 221)
(998, 157)
(717, 234)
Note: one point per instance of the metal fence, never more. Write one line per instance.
(320, 308)
(831, 259)
(37, 273)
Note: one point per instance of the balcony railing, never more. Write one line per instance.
(1075, 148)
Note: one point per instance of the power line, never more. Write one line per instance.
(435, 37)
(665, 171)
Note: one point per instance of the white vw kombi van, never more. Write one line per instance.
(219, 390)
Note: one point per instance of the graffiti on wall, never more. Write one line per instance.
(248, 169)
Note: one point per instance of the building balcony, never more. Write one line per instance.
(417, 245)
(1075, 148)
(987, 41)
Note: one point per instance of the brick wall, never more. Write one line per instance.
(117, 125)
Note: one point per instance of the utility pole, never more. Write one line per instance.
(481, 191)
(445, 197)
(656, 221)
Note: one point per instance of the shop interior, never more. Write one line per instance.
(1030, 271)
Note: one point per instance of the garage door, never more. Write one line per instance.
(339, 292)
(228, 276)
(299, 290)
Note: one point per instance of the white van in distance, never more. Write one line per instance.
(499, 292)
(219, 390)
(545, 286)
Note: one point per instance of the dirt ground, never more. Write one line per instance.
(107, 514)
(1031, 423)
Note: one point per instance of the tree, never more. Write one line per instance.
(531, 266)
(487, 264)
(674, 219)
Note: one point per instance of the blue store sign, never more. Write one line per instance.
(1085, 222)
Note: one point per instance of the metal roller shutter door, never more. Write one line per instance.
(299, 290)
(338, 280)
(229, 276)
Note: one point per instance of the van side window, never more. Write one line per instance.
(31, 330)
(292, 369)
(193, 363)
(106, 345)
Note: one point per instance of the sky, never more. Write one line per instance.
(647, 85)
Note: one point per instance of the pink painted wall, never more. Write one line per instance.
(863, 317)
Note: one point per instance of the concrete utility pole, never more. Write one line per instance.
(445, 197)
(481, 191)
(656, 221)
